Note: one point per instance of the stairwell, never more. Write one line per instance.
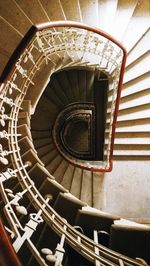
(68, 189)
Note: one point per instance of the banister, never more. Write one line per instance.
(17, 52)
(8, 255)
(56, 24)
(57, 224)
(70, 23)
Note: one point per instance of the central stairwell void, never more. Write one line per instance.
(77, 127)
(68, 77)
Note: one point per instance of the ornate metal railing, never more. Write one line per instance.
(37, 48)
(70, 45)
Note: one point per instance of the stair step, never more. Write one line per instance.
(134, 99)
(34, 12)
(87, 188)
(54, 164)
(24, 131)
(133, 113)
(45, 149)
(68, 176)
(106, 9)
(52, 187)
(55, 85)
(122, 17)
(40, 81)
(76, 182)
(88, 8)
(82, 85)
(74, 83)
(7, 47)
(65, 83)
(19, 21)
(71, 10)
(137, 26)
(32, 157)
(4, 59)
(26, 105)
(50, 107)
(131, 240)
(132, 138)
(138, 125)
(134, 149)
(39, 174)
(41, 120)
(137, 85)
(98, 189)
(142, 47)
(23, 118)
(60, 171)
(36, 134)
(67, 206)
(49, 156)
(91, 220)
(25, 144)
(89, 86)
(39, 143)
(44, 237)
(54, 98)
(138, 67)
(53, 9)
(45, 104)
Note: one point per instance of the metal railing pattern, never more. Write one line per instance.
(61, 40)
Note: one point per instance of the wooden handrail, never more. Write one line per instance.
(8, 255)
(37, 28)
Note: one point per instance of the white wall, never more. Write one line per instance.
(127, 189)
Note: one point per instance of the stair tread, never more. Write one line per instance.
(88, 8)
(25, 144)
(138, 67)
(92, 220)
(65, 202)
(39, 174)
(53, 9)
(4, 59)
(15, 37)
(138, 25)
(140, 48)
(61, 169)
(98, 189)
(50, 155)
(76, 182)
(52, 166)
(71, 10)
(109, 8)
(123, 16)
(45, 149)
(33, 12)
(87, 188)
(67, 178)
(19, 21)
(38, 143)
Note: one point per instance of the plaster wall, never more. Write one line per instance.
(126, 190)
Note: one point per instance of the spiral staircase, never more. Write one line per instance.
(71, 187)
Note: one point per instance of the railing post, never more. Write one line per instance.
(95, 232)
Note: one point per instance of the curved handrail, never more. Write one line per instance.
(57, 222)
(54, 220)
(8, 255)
(28, 36)
(50, 25)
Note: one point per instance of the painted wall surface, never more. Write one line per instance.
(127, 189)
